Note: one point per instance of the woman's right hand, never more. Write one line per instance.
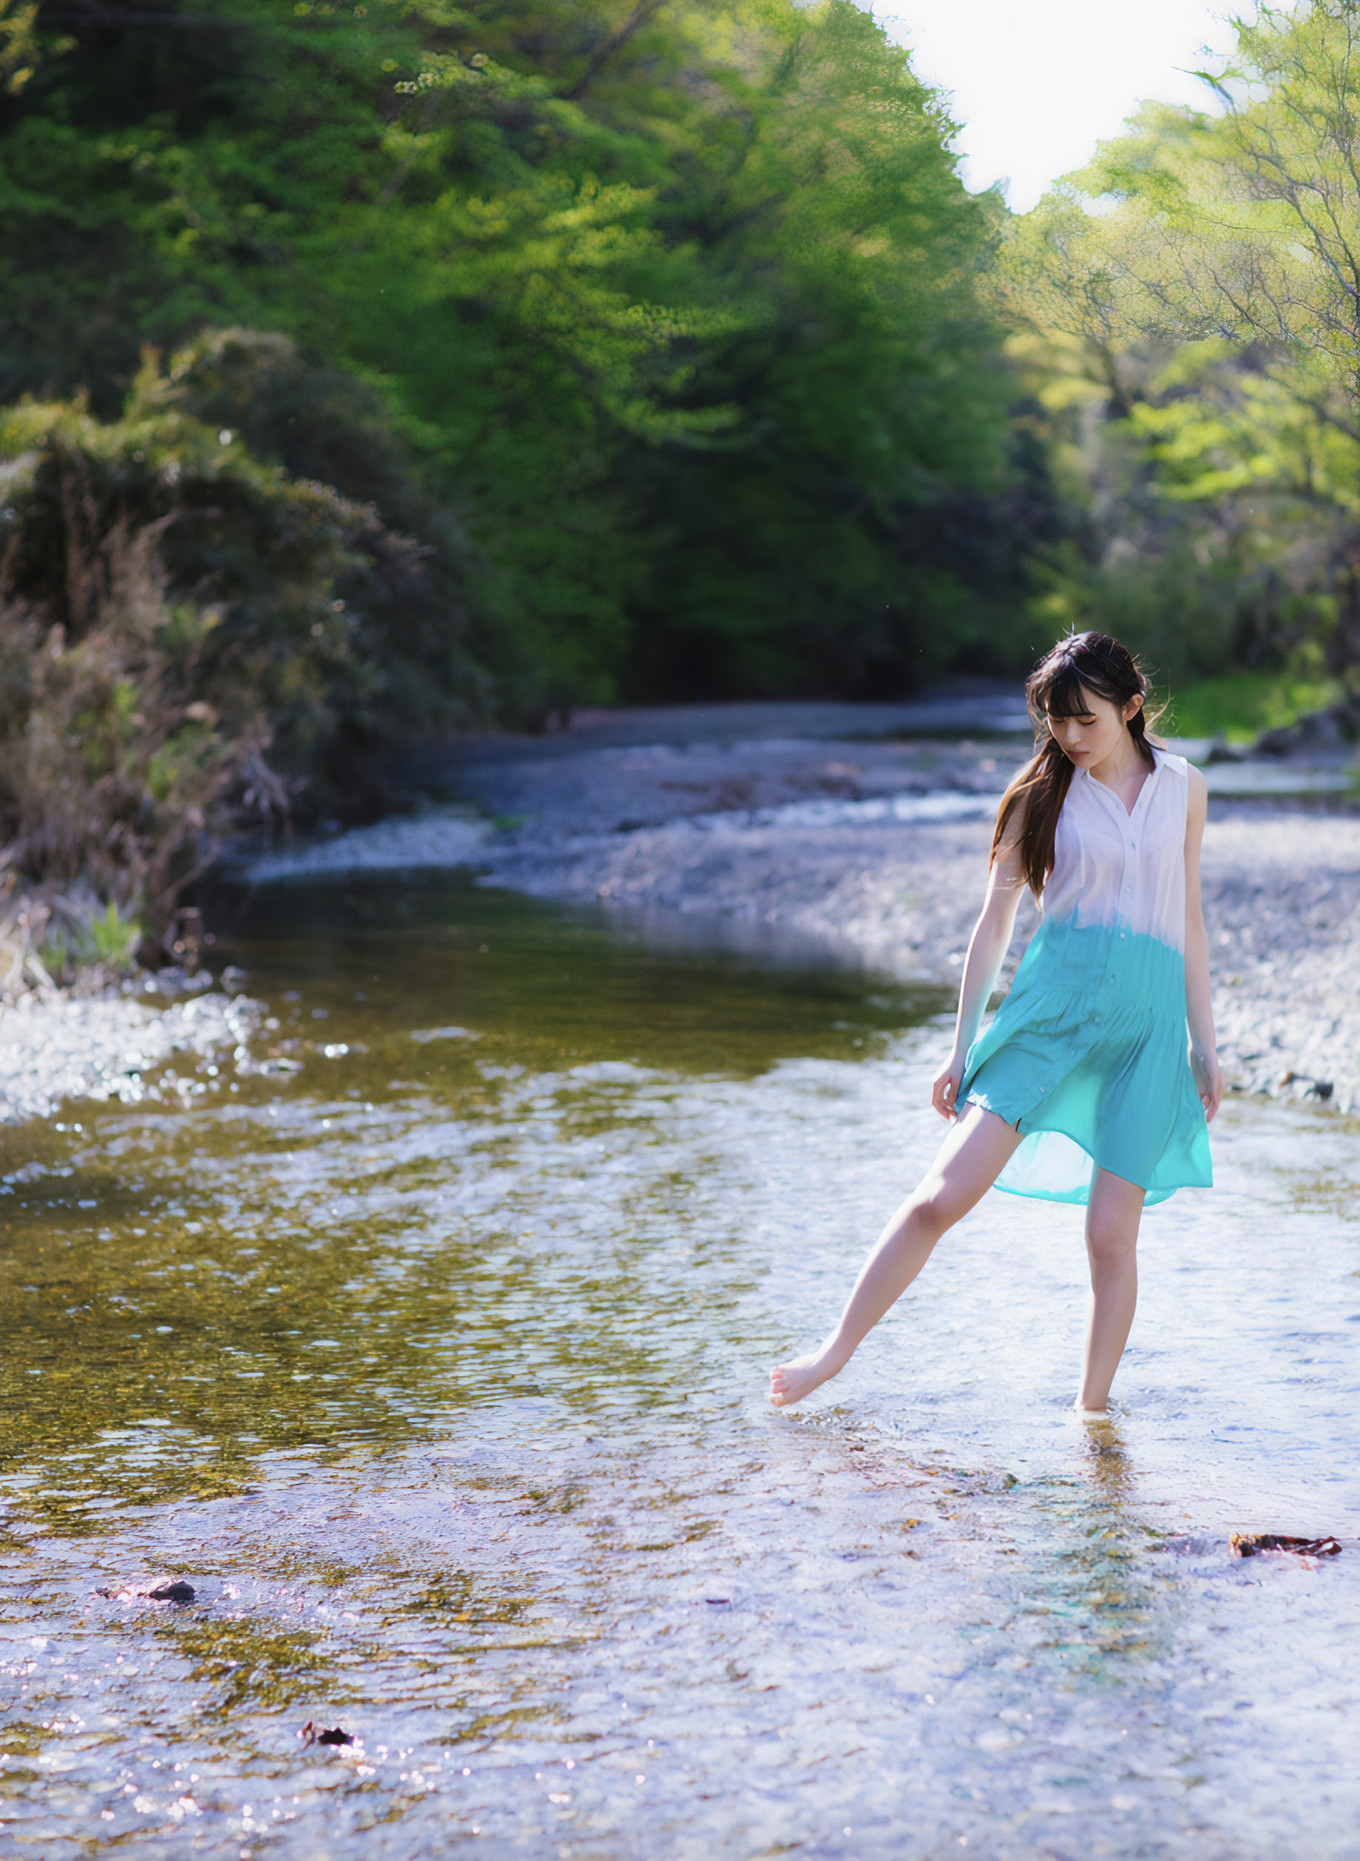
(944, 1094)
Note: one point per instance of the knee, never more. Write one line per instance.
(936, 1206)
(1110, 1245)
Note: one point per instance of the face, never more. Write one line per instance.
(1089, 737)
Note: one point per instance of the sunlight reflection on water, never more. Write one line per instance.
(438, 1370)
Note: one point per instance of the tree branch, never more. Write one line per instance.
(615, 43)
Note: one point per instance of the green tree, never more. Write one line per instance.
(669, 314)
(185, 632)
(1237, 233)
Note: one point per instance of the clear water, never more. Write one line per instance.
(437, 1368)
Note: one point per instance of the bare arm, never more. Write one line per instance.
(986, 949)
(1199, 1012)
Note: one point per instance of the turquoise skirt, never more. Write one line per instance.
(1087, 1058)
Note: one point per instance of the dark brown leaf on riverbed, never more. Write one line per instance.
(1248, 1544)
(333, 1736)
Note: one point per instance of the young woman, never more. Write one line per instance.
(1080, 1090)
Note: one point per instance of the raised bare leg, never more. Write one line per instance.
(971, 1158)
(1112, 1217)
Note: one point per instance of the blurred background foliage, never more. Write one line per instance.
(179, 623)
(1191, 308)
(666, 318)
(373, 372)
(1219, 525)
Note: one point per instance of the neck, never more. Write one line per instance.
(1123, 761)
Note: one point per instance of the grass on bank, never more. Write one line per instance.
(1240, 705)
(84, 934)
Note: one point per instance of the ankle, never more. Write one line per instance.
(837, 1350)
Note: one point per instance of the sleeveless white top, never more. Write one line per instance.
(1123, 870)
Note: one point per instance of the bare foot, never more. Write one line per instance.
(1089, 1415)
(790, 1382)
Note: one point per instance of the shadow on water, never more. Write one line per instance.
(425, 1340)
(551, 987)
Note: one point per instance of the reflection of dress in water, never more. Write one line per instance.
(1087, 1054)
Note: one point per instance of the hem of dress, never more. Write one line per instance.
(1079, 1198)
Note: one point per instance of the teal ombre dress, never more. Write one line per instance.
(1087, 1056)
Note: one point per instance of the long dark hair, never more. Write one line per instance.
(1092, 662)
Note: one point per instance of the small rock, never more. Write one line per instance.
(177, 1592)
(152, 954)
(1334, 729)
(1220, 751)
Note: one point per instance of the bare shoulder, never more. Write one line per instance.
(1196, 801)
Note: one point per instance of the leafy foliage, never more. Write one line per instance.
(1219, 512)
(663, 321)
(178, 622)
(1212, 310)
(85, 936)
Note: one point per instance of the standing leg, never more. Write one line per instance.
(1112, 1217)
(971, 1158)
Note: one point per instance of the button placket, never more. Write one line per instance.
(1129, 885)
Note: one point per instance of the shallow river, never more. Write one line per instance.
(436, 1367)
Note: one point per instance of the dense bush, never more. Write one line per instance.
(187, 635)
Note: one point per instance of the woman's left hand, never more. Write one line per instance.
(1208, 1080)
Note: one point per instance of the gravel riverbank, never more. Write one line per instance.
(878, 851)
(762, 827)
(1281, 895)
(56, 1046)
